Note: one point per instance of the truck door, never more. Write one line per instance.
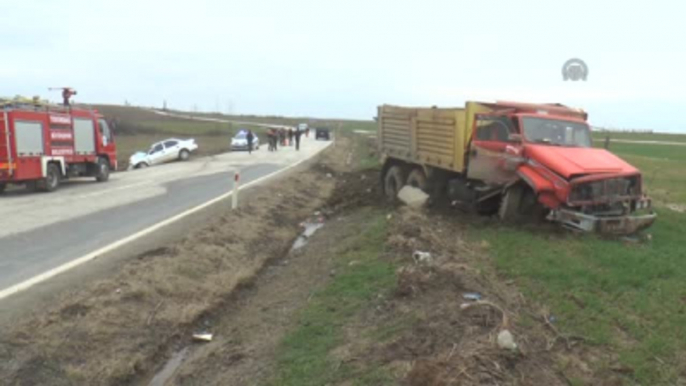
(487, 154)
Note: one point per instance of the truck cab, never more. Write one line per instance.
(546, 156)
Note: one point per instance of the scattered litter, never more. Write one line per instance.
(203, 337)
(369, 190)
(332, 273)
(329, 175)
(506, 340)
(352, 263)
(320, 219)
(317, 213)
(474, 296)
(412, 196)
(118, 290)
(390, 216)
(552, 318)
(421, 257)
(679, 208)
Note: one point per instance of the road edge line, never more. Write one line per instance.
(28, 283)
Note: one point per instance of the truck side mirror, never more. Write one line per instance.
(514, 137)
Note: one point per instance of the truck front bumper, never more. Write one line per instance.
(620, 225)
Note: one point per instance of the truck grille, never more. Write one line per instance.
(612, 189)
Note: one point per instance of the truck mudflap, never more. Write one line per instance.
(620, 225)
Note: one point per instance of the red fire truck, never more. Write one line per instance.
(40, 145)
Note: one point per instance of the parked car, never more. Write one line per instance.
(322, 133)
(169, 150)
(240, 141)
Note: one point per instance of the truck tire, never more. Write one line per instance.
(417, 179)
(510, 209)
(184, 155)
(393, 181)
(52, 179)
(103, 172)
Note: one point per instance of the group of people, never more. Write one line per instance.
(284, 137)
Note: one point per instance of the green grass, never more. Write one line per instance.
(640, 136)
(625, 296)
(303, 357)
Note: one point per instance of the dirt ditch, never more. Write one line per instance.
(119, 329)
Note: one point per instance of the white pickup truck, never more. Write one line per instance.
(169, 150)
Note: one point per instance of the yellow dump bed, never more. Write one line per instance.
(437, 137)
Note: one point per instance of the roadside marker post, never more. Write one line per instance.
(234, 195)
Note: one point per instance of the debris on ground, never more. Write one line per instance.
(421, 257)
(203, 337)
(413, 197)
(506, 340)
(474, 296)
(679, 208)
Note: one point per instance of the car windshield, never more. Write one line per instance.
(241, 135)
(556, 132)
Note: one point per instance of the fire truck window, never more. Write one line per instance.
(492, 130)
(156, 148)
(170, 143)
(105, 129)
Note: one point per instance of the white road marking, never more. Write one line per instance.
(26, 284)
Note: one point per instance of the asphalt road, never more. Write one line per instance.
(43, 231)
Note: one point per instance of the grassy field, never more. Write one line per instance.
(627, 296)
(137, 129)
(640, 136)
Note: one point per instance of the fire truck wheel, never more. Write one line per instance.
(103, 173)
(52, 180)
(394, 180)
(184, 155)
(417, 179)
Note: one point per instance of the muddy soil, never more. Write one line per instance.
(119, 329)
(443, 336)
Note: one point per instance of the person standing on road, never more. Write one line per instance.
(298, 133)
(250, 137)
(290, 136)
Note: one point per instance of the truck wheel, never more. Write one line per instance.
(417, 179)
(52, 180)
(184, 155)
(510, 206)
(393, 181)
(103, 173)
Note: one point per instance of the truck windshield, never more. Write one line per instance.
(556, 132)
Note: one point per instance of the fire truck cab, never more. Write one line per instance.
(41, 145)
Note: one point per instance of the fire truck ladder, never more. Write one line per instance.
(5, 141)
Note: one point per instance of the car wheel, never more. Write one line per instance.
(141, 165)
(184, 155)
(103, 173)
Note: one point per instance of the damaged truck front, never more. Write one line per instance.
(515, 159)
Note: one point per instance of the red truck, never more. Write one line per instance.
(514, 159)
(40, 145)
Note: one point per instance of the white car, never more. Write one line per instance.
(171, 149)
(240, 141)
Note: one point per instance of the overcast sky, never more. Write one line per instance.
(343, 58)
